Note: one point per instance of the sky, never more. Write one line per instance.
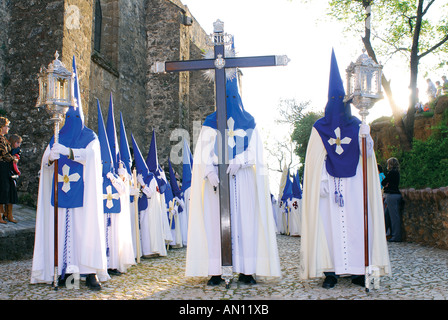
(302, 32)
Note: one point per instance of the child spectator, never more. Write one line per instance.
(15, 141)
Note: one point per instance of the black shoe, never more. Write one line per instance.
(63, 279)
(248, 279)
(329, 282)
(214, 281)
(359, 280)
(114, 272)
(92, 282)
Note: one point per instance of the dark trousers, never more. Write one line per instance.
(393, 216)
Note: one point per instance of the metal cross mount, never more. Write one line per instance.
(219, 64)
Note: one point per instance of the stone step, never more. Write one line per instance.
(17, 239)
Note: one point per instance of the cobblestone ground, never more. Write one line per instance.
(419, 273)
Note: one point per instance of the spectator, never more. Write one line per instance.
(439, 89)
(431, 90)
(444, 85)
(8, 194)
(393, 200)
(15, 142)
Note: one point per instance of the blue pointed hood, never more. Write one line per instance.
(142, 169)
(338, 129)
(106, 156)
(287, 191)
(109, 205)
(140, 163)
(296, 189)
(125, 153)
(173, 182)
(153, 164)
(112, 134)
(74, 133)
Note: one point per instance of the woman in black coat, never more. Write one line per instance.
(8, 191)
(393, 200)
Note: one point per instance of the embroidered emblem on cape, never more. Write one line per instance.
(295, 205)
(66, 178)
(109, 197)
(338, 141)
(70, 184)
(232, 133)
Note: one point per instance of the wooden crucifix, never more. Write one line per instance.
(220, 63)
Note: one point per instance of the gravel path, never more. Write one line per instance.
(419, 273)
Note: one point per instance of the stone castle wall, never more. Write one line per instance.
(135, 34)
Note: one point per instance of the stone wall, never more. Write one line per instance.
(4, 77)
(34, 33)
(425, 216)
(173, 97)
(135, 34)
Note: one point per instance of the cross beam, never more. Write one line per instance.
(219, 64)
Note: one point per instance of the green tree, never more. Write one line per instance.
(302, 132)
(399, 27)
(301, 120)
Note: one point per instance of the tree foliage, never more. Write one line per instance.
(411, 29)
(299, 117)
(426, 164)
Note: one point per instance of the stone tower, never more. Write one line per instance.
(115, 43)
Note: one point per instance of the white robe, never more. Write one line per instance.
(332, 236)
(152, 229)
(165, 220)
(173, 219)
(295, 217)
(86, 237)
(183, 216)
(119, 233)
(251, 215)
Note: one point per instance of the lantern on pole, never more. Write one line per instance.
(56, 95)
(56, 85)
(363, 90)
(364, 84)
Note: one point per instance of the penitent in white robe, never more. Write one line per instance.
(84, 227)
(252, 223)
(332, 236)
(119, 232)
(152, 228)
(295, 217)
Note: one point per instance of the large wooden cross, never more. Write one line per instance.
(220, 63)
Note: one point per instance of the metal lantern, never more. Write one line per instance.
(364, 83)
(56, 89)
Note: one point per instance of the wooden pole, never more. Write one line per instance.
(56, 255)
(366, 215)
